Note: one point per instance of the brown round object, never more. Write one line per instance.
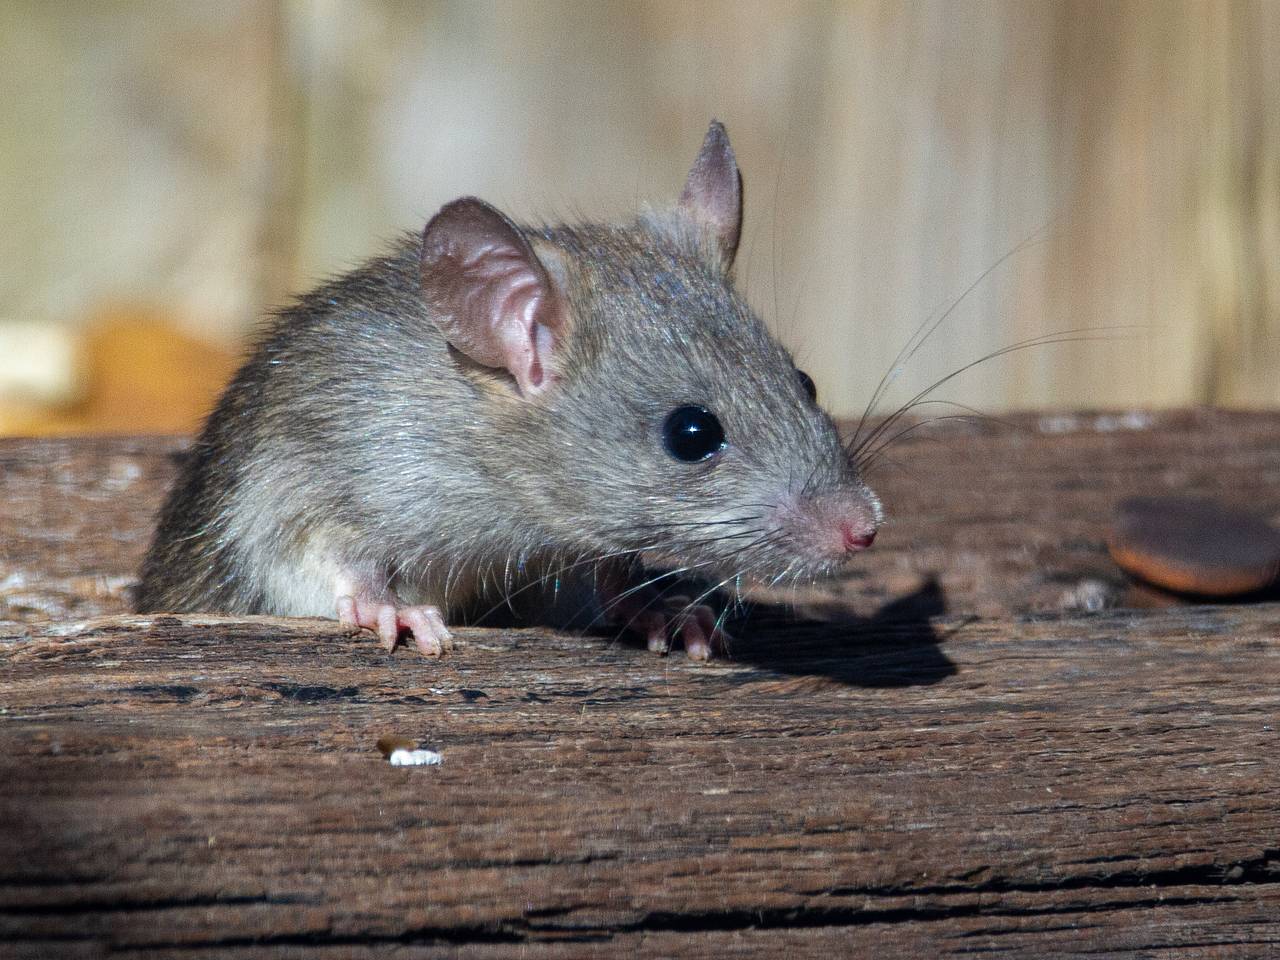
(1195, 546)
(389, 743)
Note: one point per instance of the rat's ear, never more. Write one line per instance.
(489, 293)
(712, 196)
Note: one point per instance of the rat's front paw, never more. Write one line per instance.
(425, 623)
(697, 626)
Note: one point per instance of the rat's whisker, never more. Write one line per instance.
(869, 457)
(928, 327)
(1079, 335)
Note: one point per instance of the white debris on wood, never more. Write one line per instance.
(415, 758)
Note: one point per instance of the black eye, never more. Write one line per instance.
(692, 434)
(810, 387)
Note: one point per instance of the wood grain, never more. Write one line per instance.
(942, 756)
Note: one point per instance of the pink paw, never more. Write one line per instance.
(659, 620)
(425, 623)
(697, 626)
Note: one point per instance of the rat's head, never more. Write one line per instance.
(649, 409)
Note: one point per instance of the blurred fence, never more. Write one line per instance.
(1116, 163)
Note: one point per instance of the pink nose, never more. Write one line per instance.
(855, 540)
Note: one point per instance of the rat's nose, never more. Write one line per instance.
(856, 537)
(830, 526)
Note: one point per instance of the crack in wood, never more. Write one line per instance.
(1263, 869)
(132, 905)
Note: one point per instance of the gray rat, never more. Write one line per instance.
(493, 406)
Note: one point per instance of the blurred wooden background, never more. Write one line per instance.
(170, 170)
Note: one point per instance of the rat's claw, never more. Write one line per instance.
(426, 623)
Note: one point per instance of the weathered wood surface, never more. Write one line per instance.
(958, 760)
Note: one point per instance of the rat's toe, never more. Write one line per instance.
(653, 627)
(710, 622)
(388, 625)
(697, 643)
(429, 631)
(698, 627)
(348, 613)
(354, 611)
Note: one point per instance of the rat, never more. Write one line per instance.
(491, 407)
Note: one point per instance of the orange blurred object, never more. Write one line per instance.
(141, 374)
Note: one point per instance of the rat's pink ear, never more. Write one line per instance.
(489, 293)
(712, 196)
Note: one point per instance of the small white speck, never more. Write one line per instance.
(415, 758)
(1059, 424)
(14, 581)
(121, 474)
(1090, 596)
(1132, 420)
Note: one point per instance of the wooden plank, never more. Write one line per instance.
(1105, 784)
(75, 519)
(953, 761)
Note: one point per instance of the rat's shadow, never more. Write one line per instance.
(895, 647)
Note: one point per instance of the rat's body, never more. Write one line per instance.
(490, 404)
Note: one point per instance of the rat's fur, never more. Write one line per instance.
(356, 441)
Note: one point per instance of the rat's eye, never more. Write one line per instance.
(692, 434)
(810, 387)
